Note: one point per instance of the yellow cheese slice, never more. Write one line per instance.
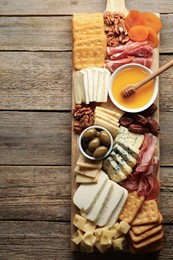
(92, 173)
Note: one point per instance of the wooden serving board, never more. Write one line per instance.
(112, 6)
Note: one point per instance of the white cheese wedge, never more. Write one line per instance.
(107, 76)
(115, 214)
(111, 204)
(90, 84)
(86, 194)
(94, 83)
(120, 161)
(86, 87)
(129, 159)
(101, 201)
(100, 85)
(78, 85)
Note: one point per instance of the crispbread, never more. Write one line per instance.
(93, 29)
(144, 235)
(92, 173)
(138, 230)
(86, 163)
(84, 57)
(147, 241)
(153, 247)
(99, 40)
(147, 214)
(82, 20)
(131, 207)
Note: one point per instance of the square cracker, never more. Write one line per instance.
(149, 240)
(138, 230)
(153, 247)
(88, 57)
(131, 207)
(83, 19)
(100, 40)
(145, 235)
(86, 30)
(147, 214)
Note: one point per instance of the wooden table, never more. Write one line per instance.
(35, 126)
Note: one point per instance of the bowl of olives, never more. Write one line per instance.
(95, 142)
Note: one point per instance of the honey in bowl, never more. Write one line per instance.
(131, 74)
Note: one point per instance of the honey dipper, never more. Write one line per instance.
(130, 89)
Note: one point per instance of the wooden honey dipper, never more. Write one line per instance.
(130, 89)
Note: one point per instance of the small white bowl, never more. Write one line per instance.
(99, 128)
(135, 110)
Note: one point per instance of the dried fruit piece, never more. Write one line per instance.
(140, 119)
(153, 21)
(138, 33)
(138, 129)
(150, 111)
(154, 126)
(152, 38)
(134, 18)
(126, 121)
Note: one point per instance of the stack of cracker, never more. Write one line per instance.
(89, 48)
(146, 231)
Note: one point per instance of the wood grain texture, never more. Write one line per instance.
(49, 7)
(50, 240)
(34, 138)
(44, 193)
(43, 138)
(42, 81)
(54, 33)
(35, 80)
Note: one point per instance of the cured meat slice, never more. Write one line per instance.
(115, 64)
(146, 153)
(140, 51)
(128, 46)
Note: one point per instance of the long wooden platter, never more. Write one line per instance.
(112, 6)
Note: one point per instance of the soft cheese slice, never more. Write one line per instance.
(111, 204)
(78, 84)
(120, 161)
(115, 214)
(86, 195)
(101, 201)
(100, 85)
(130, 160)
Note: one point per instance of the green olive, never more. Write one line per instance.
(100, 151)
(89, 134)
(94, 143)
(105, 138)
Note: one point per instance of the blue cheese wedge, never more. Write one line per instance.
(129, 159)
(86, 194)
(113, 170)
(121, 162)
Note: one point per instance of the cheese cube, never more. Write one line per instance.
(106, 238)
(89, 239)
(98, 232)
(102, 248)
(123, 227)
(118, 243)
(77, 237)
(89, 226)
(79, 222)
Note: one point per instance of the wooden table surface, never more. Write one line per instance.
(35, 126)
